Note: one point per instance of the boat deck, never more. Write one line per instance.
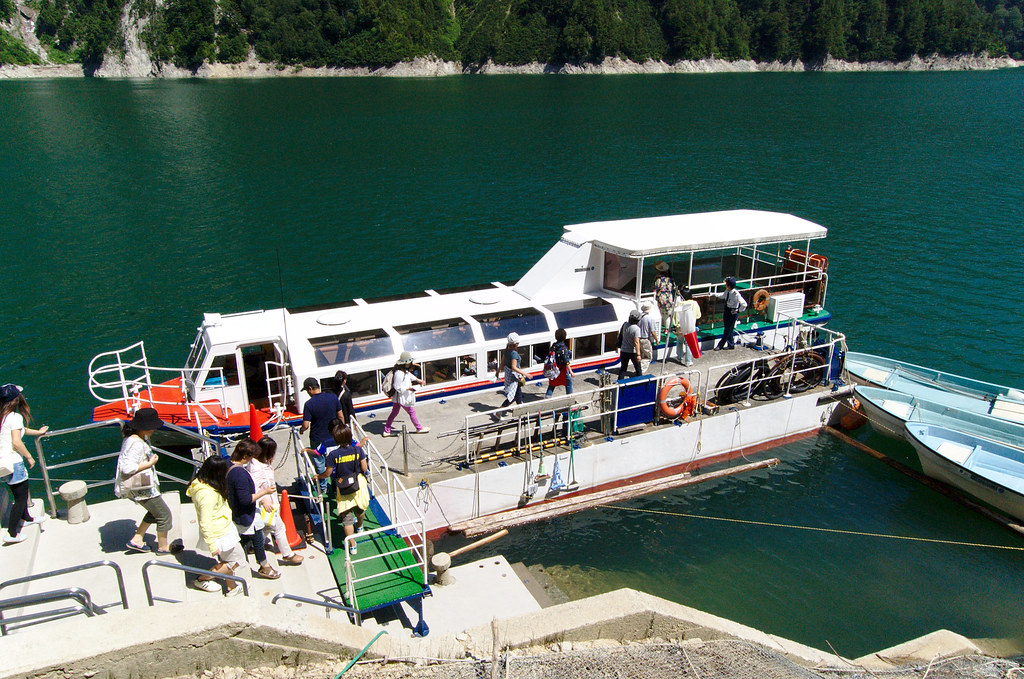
(441, 453)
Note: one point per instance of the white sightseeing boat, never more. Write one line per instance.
(587, 283)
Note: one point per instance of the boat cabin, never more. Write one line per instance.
(587, 283)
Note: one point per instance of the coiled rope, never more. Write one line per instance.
(818, 529)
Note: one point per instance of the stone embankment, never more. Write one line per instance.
(137, 63)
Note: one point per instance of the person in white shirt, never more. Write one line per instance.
(734, 306)
(14, 411)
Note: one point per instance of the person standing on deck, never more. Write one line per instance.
(666, 292)
(562, 358)
(317, 413)
(509, 369)
(684, 321)
(403, 396)
(344, 397)
(629, 351)
(649, 332)
(734, 306)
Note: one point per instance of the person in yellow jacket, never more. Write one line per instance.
(208, 491)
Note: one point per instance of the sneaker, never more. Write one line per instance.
(234, 589)
(387, 434)
(688, 364)
(352, 548)
(360, 529)
(424, 430)
(39, 519)
(208, 585)
(11, 539)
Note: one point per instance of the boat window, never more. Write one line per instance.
(320, 307)
(539, 353)
(359, 346)
(523, 321)
(588, 346)
(223, 372)
(583, 312)
(619, 273)
(439, 370)
(395, 298)
(197, 355)
(610, 340)
(467, 366)
(711, 268)
(363, 384)
(494, 356)
(435, 335)
(679, 267)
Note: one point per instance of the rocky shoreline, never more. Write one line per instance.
(136, 65)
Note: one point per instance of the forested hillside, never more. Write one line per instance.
(382, 32)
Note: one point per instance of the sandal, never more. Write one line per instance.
(267, 572)
(293, 560)
(132, 547)
(208, 585)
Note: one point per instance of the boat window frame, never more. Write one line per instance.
(499, 324)
(585, 303)
(428, 330)
(380, 342)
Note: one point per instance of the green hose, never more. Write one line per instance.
(360, 654)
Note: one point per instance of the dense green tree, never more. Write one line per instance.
(13, 51)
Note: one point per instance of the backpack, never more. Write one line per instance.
(388, 383)
(550, 366)
(562, 355)
(618, 340)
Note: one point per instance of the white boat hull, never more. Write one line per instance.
(989, 492)
(658, 452)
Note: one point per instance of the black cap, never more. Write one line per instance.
(9, 392)
(310, 383)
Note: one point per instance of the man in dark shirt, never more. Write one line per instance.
(320, 409)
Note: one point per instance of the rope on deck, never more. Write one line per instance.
(819, 529)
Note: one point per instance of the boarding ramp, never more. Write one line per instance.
(390, 564)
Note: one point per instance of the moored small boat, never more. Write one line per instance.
(947, 389)
(989, 471)
(888, 410)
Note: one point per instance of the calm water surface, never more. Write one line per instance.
(130, 208)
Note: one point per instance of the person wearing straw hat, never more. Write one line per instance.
(665, 292)
(14, 411)
(403, 397)
(136, 480)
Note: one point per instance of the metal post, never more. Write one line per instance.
(405, 449)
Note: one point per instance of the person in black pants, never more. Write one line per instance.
(734, 306)
(14, 411)
(629, 350)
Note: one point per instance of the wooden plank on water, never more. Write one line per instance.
(934, 484)
(579, 503)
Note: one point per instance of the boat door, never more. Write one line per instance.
(265, 375)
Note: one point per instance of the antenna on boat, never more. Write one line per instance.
(284, 313)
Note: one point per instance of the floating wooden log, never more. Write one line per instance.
(934, 484)
(579, 503)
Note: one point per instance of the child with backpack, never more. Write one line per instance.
(556, 366)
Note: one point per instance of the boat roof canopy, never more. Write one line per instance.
(693, 232)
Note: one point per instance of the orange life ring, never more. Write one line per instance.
(812, 261)
(760, 300)
(687, 404)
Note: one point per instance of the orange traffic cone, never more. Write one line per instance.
(255, 431)
(289, 524)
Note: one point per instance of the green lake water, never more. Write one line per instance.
(132, 207)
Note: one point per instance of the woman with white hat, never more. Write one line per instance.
(14, 411)
(403, 397)
(514, 377)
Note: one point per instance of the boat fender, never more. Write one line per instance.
(760, 300)
(687, 403)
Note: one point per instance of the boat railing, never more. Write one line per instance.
(207, 444)
(76, 593)
(125, 375)
(403, 528)
(385, 484)
(536, 426)
(279, 386)
(187, 569)
(772, 284)
(306, 474)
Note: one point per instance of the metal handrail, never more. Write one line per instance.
(75, 569)
(85, 605)
(188, 569)
(329, 605)
(205, 442)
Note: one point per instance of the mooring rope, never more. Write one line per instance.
(814, 528)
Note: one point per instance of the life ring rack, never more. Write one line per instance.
(760, 300)
(687, 403)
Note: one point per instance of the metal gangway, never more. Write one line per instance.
(390, 565)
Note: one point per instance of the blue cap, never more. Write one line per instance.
(9, 392)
